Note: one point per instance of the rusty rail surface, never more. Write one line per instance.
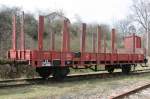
(130, 92)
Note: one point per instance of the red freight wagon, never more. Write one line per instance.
(57, 63)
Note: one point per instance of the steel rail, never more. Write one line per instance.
(130, 92)
(72, 77)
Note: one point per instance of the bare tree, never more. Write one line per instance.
(141, 14)
(123, 26)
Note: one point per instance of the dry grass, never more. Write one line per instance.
(83, 89)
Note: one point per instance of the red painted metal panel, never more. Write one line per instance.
(131, 41)
(114, 57)
(39, 56)
(69, 56)
(19, 54)
(93, 56)
(56, 55)
(66, 56)
(86, 56)
(34, 55)
(128, 42)
(28, 54)
(108, 57)
(136, 57)
(102, 56)
(46, 55)
(12, 54)
(138, 42)
(140, 57)
(129, 57)
(133, 58)
(122, 57)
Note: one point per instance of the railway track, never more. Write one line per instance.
(130, 92)
(72, 77)
(18, 82)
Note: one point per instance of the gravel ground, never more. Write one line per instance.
(83, 89)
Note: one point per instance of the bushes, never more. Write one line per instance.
(10, 71)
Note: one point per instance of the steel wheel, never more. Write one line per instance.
(110, 70)
(44, 72)
(126, 69)
(60, 73)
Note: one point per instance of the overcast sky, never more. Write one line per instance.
(99, 11)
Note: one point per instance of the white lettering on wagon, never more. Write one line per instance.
(46, 63)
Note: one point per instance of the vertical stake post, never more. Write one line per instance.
(98, 39)
(94, 42)
(14, 32)
(40, 32)
(105, 44)
(22, 40)
(113, 41)
(52, 45)
(133, 58)
(65, 38)
(82, 39)
(133, 42)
